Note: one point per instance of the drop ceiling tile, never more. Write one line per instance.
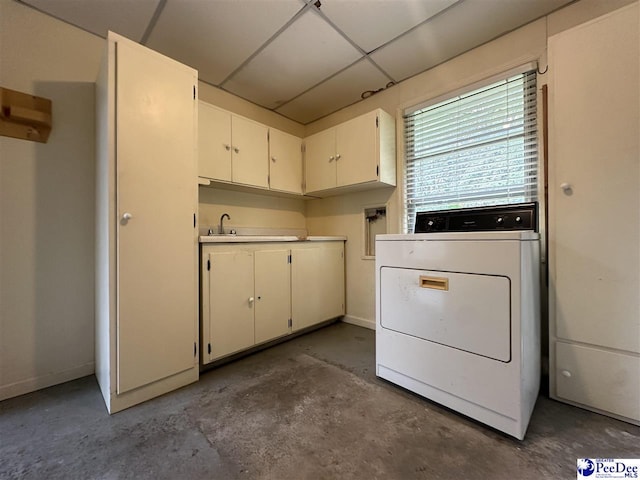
(371, 24)
(307, 52)
(129, 18)
(343, 89)
(217, 36)
(461, 28)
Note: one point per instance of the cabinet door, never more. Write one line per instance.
(317, 284)
(285, 162)
(214, 143)
(250, 152)
(595, 149)
(231, 302)
(156, 168)
(272, 294)
(320, 162)
(331, 286)
(356, 148)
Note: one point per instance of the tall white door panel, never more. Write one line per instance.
(156, 171)
(594, 214)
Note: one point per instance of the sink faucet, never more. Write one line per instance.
(222, 221)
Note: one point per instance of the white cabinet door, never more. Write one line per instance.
(356, 152)
(156, 192)
(285, 162)
(214, 142)
(594, 211)
(317, 283)
(250, 150)
(320, 161)
(272, 294)
(231, 302)
(331, 287)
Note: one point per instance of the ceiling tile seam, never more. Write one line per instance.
(415, 27)
(153, 21)
(326, 79)
(266, 44)
(363, 52)
(321, 14)
(50, 15)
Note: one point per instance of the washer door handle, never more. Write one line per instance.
(435, 283)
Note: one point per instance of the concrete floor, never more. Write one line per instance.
(310, 408)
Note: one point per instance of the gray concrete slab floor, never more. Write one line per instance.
(309, 408)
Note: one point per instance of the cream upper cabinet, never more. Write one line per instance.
(249, 152)
(285, 162)
(320, 161)
(231, 148)
(594, 215)
(214, 142)
(359, 153)
(146, 291)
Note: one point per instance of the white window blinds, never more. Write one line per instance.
(476, 149)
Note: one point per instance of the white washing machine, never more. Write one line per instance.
(458, 315)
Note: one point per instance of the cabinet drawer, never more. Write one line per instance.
(600, 379)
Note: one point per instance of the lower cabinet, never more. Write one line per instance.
(317, 283)
(253, 293)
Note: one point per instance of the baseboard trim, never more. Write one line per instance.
(361, 322)
(36, 383)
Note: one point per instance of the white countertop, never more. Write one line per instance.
(267, 238)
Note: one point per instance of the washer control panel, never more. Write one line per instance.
(522, 216)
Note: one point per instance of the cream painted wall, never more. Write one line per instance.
(343, 215)
(249, 210)
(47, 206)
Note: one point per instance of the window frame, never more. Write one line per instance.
(420, 104)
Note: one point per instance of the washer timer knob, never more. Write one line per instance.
(518, 219)
(500, 220)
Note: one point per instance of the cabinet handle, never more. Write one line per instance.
(126, 216)
(237, 150)
(338, 156)
(227, 147)
(251, 299)
(331, 158)
(273, 159)
(566, 373)
(567, 188)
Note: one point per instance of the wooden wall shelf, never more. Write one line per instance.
(24, 116)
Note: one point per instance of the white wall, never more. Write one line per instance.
(343, 215)
(47, 206)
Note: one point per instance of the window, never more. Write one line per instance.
(476, 149)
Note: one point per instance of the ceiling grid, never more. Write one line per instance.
(304, 59)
